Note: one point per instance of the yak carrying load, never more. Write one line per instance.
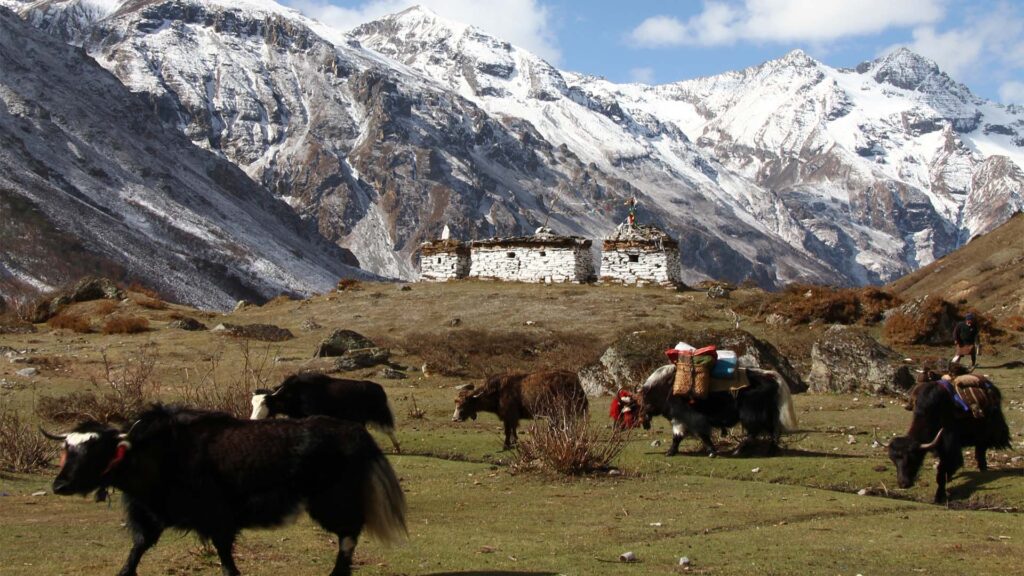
(700, 371)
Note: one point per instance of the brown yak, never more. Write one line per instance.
(516, 396)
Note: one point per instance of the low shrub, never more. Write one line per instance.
(804, 303)
(73, 321)
(562, 441)
(144, 290)
(1015, 323)
(104, 307)
(150, 303)
(122, 324)
(346, 284)
(118, 395)
(22, 448)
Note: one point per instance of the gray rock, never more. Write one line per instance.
(342, 341)
(847, 359)
(308, 325)
(27, 372)
(241, 305)
(390, 373)
(189, 324)
(354, 359)
(261, 332)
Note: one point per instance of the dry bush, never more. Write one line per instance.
(22, 448)
(104, 307)
(144, 290)
(804, 303)
(118, 395)
(219, 385)
(1015, 323)
(919, 327)
(565, 442)
(151, 303)
(280, 299)
(123, 324)
(73, 321)
(478, 353)
(415, 412)
(348, 284)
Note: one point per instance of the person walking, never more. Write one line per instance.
(966, 339)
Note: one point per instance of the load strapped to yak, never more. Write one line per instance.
(700, 371)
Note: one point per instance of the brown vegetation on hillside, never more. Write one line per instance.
(804, 304)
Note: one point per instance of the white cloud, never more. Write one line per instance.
(642, 75)
(525, 23)
(1012, 92)
(723, 23)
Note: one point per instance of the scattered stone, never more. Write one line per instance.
(455, 322)
(755, 470)
(862, 492)
(27, 372)
(308, 325)
(17, 328)
(776, 319)
(390, 373)
(39, 493)
(530, 323)
(428, 369)
(342, 341)
(364, 358)
(241, 305)
(188, 324)
(627, 557)
(684, 561)
(848, 359)
(261, 332)
(655, 443)
(404, 288)
(850, 439)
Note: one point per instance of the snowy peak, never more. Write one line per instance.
(903, 68)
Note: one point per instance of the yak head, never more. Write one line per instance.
(644, 412)
(908, 455)
(467, 403)
(89, 453)
(262, 404)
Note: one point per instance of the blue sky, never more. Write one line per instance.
(978, 42)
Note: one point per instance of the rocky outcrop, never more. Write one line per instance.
(84, 290)
(628, 361)
(848, 359)
(261, 332)
(342, 341)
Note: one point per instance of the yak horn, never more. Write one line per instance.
(52, 436)
(933, 443)
(874, 435)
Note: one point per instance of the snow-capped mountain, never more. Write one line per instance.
(92, 182)
(789, 170)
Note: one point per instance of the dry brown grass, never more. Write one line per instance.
(103, 307)
(68, 320)
(804, 303)
(143, 290)
(123, 324)
(479, 353)
(1015, 323)
(903, 328)
(348, 284)
(215, 385)
(22, 448)
(150, 303)
(117, 395)
(280, 299)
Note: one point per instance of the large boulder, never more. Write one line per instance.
(261, 332)
(362, 358)
(847, 359)
(342, 341)
(628, 361)
(85, 290)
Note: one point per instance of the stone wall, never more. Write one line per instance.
(532, 263)
(641, 265)
(444, 260)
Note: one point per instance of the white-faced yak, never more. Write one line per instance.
(311, 394)
(516, 396)
(214, 474)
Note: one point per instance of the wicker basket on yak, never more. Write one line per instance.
(693, 371)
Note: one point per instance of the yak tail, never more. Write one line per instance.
(787, 412)
(384, 503)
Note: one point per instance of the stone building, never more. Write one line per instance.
(443, 260)
(640, 255)
(542, 257)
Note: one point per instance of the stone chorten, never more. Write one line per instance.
(640, 255)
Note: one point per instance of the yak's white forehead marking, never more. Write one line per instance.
(678, 429)
(79, 438)
(259, 407)
(455, 416)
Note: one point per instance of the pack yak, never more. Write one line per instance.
(214, 474)
(763, 408)
(310, 394)
(944, 424)
(516, 396)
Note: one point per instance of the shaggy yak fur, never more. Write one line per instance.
(941, 426)
(310, 394)
(215, 474)
(764, 408)
(516, 396)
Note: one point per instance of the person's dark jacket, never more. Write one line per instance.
(964, 333)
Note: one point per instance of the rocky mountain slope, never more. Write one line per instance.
(986, 274)
(91, 181)
(789, 170)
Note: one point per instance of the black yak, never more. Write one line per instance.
(943, 423)
(516, 396)
(763, 408)
(310, 394)
(215, 474)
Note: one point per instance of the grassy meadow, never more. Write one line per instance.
(826, 505)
